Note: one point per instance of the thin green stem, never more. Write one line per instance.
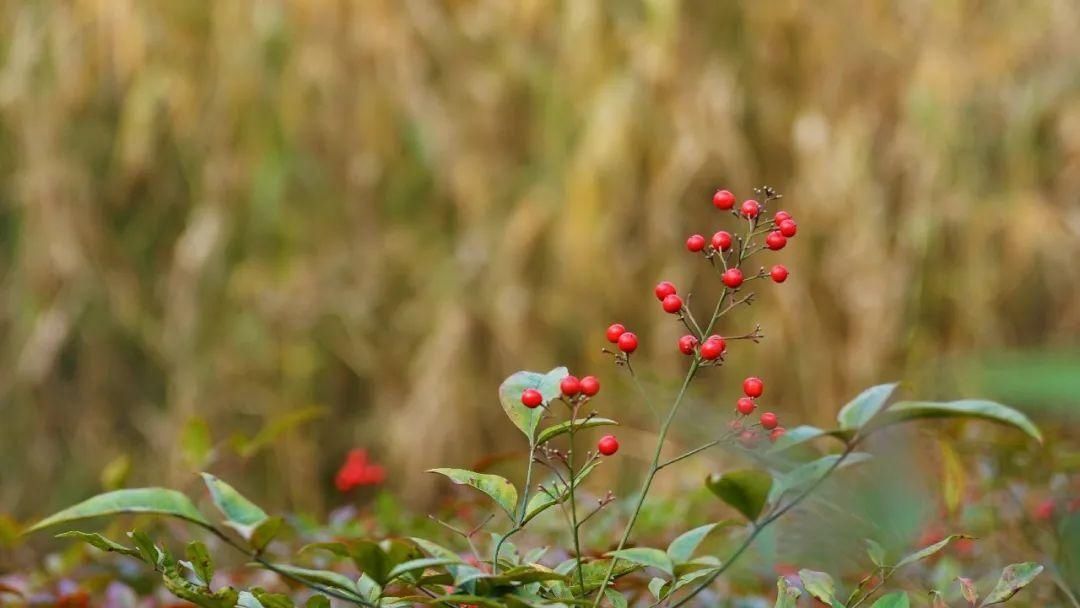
(573, 502)
(521, 517)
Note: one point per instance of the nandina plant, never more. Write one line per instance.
(555, 411)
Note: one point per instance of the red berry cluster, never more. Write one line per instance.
(754, 387)
(625, 340)
(781, 228)
(575, 391)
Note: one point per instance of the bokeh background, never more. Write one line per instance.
(250, 236)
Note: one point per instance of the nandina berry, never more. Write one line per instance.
(1044, 511)
(750, 208)
(721, 241)
(672, 304)
(723, 200)
(776, 433)
(664, 289)
(781, 216)
(590, 386)
(732, 277)
(745, 406)
(695, 243)
(775, 240)
(712, 349)
(614, 331)
(788, 228)
(570, 386)
(687, 344)
(779, 273)
(628, 342)
(608, 445)
(769, 421)
(531, 398)
(735, 425)
(753, 386)
(748, 439)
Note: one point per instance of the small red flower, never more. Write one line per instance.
(357, 471)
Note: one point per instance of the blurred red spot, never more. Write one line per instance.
(75, 599)
(1044, 511)
(357, 471)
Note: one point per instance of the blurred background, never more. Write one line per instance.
(250, 236)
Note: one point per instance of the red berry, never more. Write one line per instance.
(608, 445)
(664, 289)
(614, 331)
(777, 433)
(750, 208)
(531, 398)
(672, 304)
(788, 228)
(1044, 511)
(769, 421)
(628, 342)
(712, 349)
(778, 273)
(753, 386)
(570, 386)
(590, 386)
(723, 200)
(721, 241)
(745, 406)
(781, 216)
(732, 277)
(687, 344)
(775, 240)
(748, 439)
(695, 243)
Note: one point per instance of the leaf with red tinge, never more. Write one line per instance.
(1013, 578)
(967, 589)
(819, 585)
(926, 552)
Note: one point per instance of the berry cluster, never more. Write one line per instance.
(753, 388)
(575, 392)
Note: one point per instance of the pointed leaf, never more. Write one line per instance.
(100, 542)
(200, 560)
(682, 548)
(656, 587)
(247, 600)
(498, 488)
(562, 428)
(1013, 578)
(317, 601)
(510, 397)
(786, 595)
(876, 552)
(240, 513)
(968, 408)
(967, 589)
(160, 501)
(325, 578)
(646, 556)
(926, 552)
(617, 599)
(798, 435)
(819, 585)
(810, 473)
(419, 564)
(865, 406)
(898, 599)
(746, 490)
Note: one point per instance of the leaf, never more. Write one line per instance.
(275, 428)
(926, 552)
(272, 600)
(1013, 578)
(318, 601)
(897, 599)
(240, 513)
(796, 436)
(786, 595)
(953, 477)
(689, 577)
(265, 532)
(967, 589)
(325, 578)
(810, 473)
(746, 490)
(541, 501)
(617, 599)
(498, 488)
(200, 560)
(936, 600)
(136, 500)
(593, 572)
(819, 585)
(419, 564)
(646, 556)
(876, 552)
(865, 406)
(682, 548)
(656, 587)
(555, 430)
(968, 408)
(510, 397)
(247, 600)
(100, 542)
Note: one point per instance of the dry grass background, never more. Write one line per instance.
(231, 210)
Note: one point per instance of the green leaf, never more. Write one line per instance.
(498, 488)
(160, 501)
(646, 556)
(689, 577)
(968, 408)
(876, 552)
(682, 548)
(100, 542)
(819, 585)
(200, 560)
(510, 397)
(593, 572)
(240, 513)
(265, 532)
(318, 601)
(786, 595)
(617, 599)
(272, 600)
(247, 600)
(541, 501)
(810, 473)
(419, 564)
(1013, 578)
(562, 428)
(275, 428)
(865, 406)
(746, 490)
(926, 552)
(897, 599)
(656, 587)
(793, 437)
(462, 599)
(325, 578)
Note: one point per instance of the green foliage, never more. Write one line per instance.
(498, 488)
(786, 595)
(645, 556)
(562, 428)
(819, 585)
(1013, 578)
(510, 397)
(747, 490)
(865, 406)
(897, 599)
(926, 552)
(159, 501)
(970, 408)
(240, 513)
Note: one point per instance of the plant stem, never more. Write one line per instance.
(573, 502)
(524, 505)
